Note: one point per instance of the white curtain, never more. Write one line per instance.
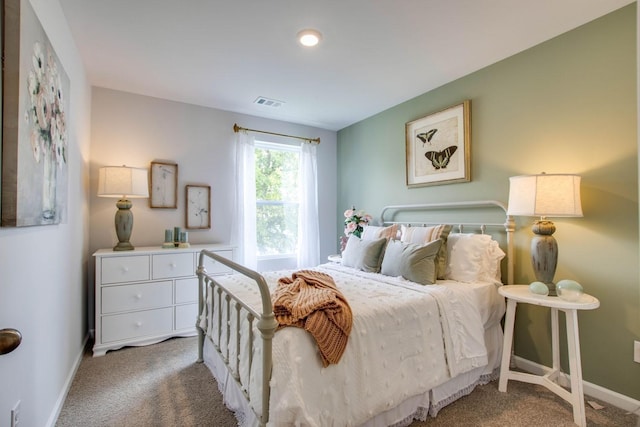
(308, 223)
(243, 234)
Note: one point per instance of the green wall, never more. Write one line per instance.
(565, 106)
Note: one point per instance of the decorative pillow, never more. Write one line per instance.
(372, 232)
(473, 258)
(421, 235)
(364, 255)
(411, 261)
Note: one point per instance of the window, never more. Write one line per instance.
(277, 199)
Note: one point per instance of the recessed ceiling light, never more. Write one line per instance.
(309, 37)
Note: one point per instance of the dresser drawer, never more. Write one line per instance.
(122, 269)
(136, 297)
(186, 290)
(139, 324)
(214, 267)
(173, 265)
(186, 316)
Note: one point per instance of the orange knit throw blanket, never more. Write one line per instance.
(310, 300)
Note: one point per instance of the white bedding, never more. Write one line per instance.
(407, 339)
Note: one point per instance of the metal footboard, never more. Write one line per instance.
(221, 297)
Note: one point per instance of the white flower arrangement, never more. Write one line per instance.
(45, 112)
(355, 221)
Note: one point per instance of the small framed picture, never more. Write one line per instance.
(163, 185)
(198, 206)
(438, 147)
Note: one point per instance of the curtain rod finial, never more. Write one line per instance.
(236, 128)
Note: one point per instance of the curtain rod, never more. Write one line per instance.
(237, 129)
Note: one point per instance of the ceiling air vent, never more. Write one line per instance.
(261, 100)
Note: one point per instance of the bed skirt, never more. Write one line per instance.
(414, 408)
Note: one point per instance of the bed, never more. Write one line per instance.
(413, 347)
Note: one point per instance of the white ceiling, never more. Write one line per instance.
(374, 54)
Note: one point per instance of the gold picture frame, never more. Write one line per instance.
(438, 147)
(163, 185)
(198, 207)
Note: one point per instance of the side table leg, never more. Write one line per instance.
(575, 366)
(507, 344)
(555, 341)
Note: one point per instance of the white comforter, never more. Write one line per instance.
(406, 339)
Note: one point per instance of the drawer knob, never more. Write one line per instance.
(172, 265)
(138, 324)
(125, 269)
(138, 296)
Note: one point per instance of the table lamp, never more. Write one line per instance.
(545, 195)
(124, 183)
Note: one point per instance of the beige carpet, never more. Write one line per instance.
(162, 385)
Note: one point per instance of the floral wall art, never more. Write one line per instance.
(34, 132)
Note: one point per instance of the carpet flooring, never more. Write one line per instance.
(162, 385)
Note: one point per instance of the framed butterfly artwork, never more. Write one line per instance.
(438, 147)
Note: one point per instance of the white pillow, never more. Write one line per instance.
(473, 258)
(372, 232)
(420, 235)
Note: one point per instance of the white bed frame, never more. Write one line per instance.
(266, 322)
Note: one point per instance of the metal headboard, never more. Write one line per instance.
(508, 225)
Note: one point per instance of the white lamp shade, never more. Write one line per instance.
(122, 181)
(545, 195)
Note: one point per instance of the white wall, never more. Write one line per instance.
(135, 130)
(43, 269)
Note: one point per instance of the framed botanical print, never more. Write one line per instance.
(198, 206)
(163, 184)
(438, 147)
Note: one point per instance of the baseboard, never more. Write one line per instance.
(611, 397)
(53, 418)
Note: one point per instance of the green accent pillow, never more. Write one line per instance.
(364, 255)
(412, 261)
(421, 235)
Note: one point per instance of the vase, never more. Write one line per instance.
(49, 185)
(343, 243)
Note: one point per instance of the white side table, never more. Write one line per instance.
(521, 293)
(336, 258)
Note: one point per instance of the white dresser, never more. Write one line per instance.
(148, 294)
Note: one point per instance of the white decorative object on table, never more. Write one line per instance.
(539, 288)
(521, 294)
(336, 258)
(569, 290)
